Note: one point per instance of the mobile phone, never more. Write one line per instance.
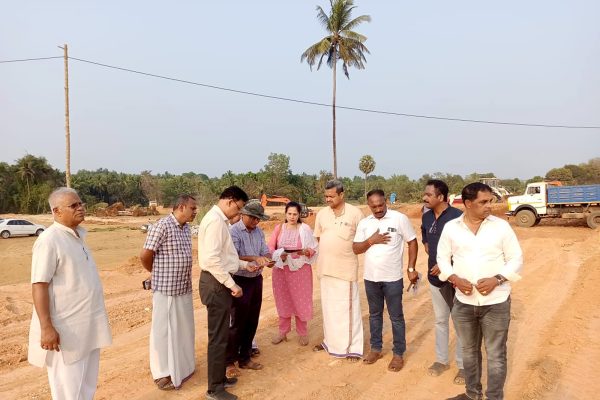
(147, 284)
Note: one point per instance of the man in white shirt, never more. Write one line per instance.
(69, 324)
(480, 255)
(218, 260)
(382, 236)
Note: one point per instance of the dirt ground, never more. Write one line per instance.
(553, 338)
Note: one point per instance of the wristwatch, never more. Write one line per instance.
(411, 269)
(500, 279)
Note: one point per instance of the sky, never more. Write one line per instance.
(511, 61)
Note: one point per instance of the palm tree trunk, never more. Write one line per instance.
(333, 109)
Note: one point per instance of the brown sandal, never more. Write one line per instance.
(372, 357)
(396, 364)
(251, 365)
(231, 371)
(164, 383)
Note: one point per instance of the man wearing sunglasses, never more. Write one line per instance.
(435, 198)
(69, 324)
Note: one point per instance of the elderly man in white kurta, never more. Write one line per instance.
(69, 324)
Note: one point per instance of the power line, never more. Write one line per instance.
(366, 110)
(29, 59)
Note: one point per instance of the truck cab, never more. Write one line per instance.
(533, 199)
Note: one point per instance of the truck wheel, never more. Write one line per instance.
(593, 220)
(525, 218)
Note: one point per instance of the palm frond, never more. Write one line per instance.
(348, 26)
(323, 18)
(317, 50)
(353, 35)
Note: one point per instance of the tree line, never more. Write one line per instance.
(26, 184)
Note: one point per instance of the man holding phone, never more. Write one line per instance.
(249, 241)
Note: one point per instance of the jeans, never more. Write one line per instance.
(442, 329)
(391, 292)
(490, 324)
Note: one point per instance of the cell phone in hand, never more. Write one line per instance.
(292, 251)
(147, 284)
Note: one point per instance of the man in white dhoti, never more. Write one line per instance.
(335, 227)
(167, 254)
(69, 324)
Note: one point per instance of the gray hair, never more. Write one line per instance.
(57, 194)
(335, 183)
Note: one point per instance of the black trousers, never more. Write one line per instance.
(245, 311)
(217, 299)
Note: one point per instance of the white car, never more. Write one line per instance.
(19, 227)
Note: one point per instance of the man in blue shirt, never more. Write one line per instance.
(249, 241)
(435, 198)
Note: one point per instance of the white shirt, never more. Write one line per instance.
(383, 262)
(216, 252)
(75, 295)
(493, 250)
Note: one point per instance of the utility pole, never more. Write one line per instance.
(67, 128)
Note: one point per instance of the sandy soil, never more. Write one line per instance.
(552, 341)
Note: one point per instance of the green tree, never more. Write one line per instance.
(560, 174)
(366, 166)
(341, 43)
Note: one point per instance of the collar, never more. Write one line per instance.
(174, 219)
(243, 226)
(220, 213)
(342, 213)
(461, 220)
(386, 215)
(73, 232)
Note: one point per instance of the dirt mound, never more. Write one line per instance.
(132, 266)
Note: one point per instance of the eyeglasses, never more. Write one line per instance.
(76, 205)
(236, 204)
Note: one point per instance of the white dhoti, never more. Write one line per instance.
(75, 381)
(342, 317)
(172, 338)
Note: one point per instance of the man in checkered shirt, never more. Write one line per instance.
(167, 254)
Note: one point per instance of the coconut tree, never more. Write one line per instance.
(341, 43)
(366, 166)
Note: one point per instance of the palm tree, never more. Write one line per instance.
(341, 43)
(366, 166)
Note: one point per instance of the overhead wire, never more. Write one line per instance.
(29, 59)
(314, 103)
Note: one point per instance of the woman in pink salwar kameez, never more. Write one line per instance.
(293, 247)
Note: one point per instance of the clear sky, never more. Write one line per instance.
(521, 61)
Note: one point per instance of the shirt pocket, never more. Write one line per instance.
(345, 231)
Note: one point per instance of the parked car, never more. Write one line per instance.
(19, 227)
